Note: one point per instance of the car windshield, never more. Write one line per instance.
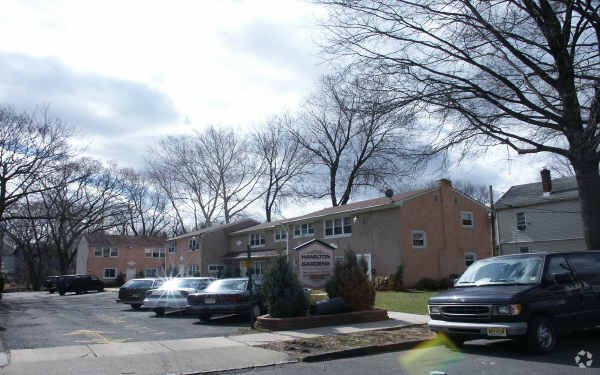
(505, 270)
(184, 283)
(227, 285)
(138, 284)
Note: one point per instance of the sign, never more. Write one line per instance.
(316, 262)
(247, 263)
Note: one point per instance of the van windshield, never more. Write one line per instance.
(504, 270)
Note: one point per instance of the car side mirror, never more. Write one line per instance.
(562, 278)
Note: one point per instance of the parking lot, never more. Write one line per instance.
(40, 319)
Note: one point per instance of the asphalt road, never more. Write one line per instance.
(40, 319)
(475, 358)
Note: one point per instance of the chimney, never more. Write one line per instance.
(546, 181)
(444, 181)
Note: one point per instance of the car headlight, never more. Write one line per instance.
(434, 310)
(507, 310)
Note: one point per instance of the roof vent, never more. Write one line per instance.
(389, 193)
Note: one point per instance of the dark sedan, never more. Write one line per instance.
(50, 284)
(227, 296)
(134, 291)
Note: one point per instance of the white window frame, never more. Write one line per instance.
(469, 254)
(343, 232)
(158, 253)
(257, 239)
(462, 219)
(412, 239)
(258, 266)
(524, 226)
(191, 269)
(524, 249)
(98, 252)
(153, 273)
(148, 253)
(214, 268)
(110, 278)
(282, 235)
(116, 249)
(302, 227)
(172, 247)
(192, 244)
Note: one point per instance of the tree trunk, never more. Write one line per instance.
(588, 182)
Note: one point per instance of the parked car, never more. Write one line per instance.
(78, 284)
(529, 297)
(227, 296)
(172, 294)
(134, 291)
(50, 283)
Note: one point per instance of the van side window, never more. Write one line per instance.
(586, 267)
(557, 264)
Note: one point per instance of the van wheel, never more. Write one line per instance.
(159, 311)
(136, 306)
(61, 293)
(541, 335)
(457, 340)
(204, 317)
(100, 290)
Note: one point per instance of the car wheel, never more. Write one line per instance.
(100, 290)
(541, 335)
(61, 293)
(204, 317)
(457, 340)
(136, 306)
(159, 311)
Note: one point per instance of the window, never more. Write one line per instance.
(339, 259)
(304, 230)
(586, 267)
(216, 269)
(259, 268)
(524, 249)
(466, 218)
(257, 239)
(110, 273)
(279, 235)
(172, 247)
(193, 270)
(192, 244)
(158, 253)
(338, 227)
(106, 252)
(470, 258)
(147, 253)
(557, 265)
(150, 272)
(521, 223)
(114, 252)
(419, 239)
(98, 252)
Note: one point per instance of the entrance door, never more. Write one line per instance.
(130, 273)
(367, 258)
(181, 270)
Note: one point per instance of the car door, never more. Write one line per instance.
(566, 295)
(587, 270)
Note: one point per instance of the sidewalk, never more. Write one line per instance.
(187, 356)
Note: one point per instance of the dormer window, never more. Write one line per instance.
(257, 240)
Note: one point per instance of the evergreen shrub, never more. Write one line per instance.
(284, 296)
(351, 284)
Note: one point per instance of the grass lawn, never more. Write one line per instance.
(415, 303)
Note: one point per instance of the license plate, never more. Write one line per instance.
(210, 300)
(496, 331)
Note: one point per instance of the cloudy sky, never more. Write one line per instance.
(126, 73)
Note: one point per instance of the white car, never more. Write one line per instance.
(172, 294)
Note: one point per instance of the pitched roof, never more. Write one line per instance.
(369, 204)
(113, 240)
(529, 194)
(214, 228)
(313, 241)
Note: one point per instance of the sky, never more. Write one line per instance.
(126, 73)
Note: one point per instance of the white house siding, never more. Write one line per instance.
(555, 226)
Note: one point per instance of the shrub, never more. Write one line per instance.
(444, 283)
(398, 279)
(427, 284)
(350, 282)
(283, 293)
(382, 283)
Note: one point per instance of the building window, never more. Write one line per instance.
(150, 272)
(419, 239)
(466, 218)
(98, 252)
(341, 226)
(194, 270)
(216, 269)
(147, 253)
(257, 239)
(106, 252)
(339, 259)
(192, 244)
(172, 247)
(524, 249)
(158, 253)
(304, 230)
(114, 252)
(470, 258)
(259, 268)
(110, 273)
(521, 223)
(279, 235)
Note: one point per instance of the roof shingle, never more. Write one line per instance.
(529, 194)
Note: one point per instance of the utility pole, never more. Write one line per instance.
(249, 274)
(493, 221)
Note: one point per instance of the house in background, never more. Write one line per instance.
(542, 216)
(432, 233)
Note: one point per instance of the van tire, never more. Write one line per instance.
(62, 293)
(159, 311)
(136, 306)
(541, 335)
(204, 317)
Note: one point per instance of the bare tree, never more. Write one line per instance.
(522, 73)
(284, 160)
(356, 135)
(229, 169)
(561, 166)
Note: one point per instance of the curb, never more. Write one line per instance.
(362, 351)
(210, 372)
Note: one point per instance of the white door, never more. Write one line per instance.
(130, 273)
(181, 270)
(367, 258)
